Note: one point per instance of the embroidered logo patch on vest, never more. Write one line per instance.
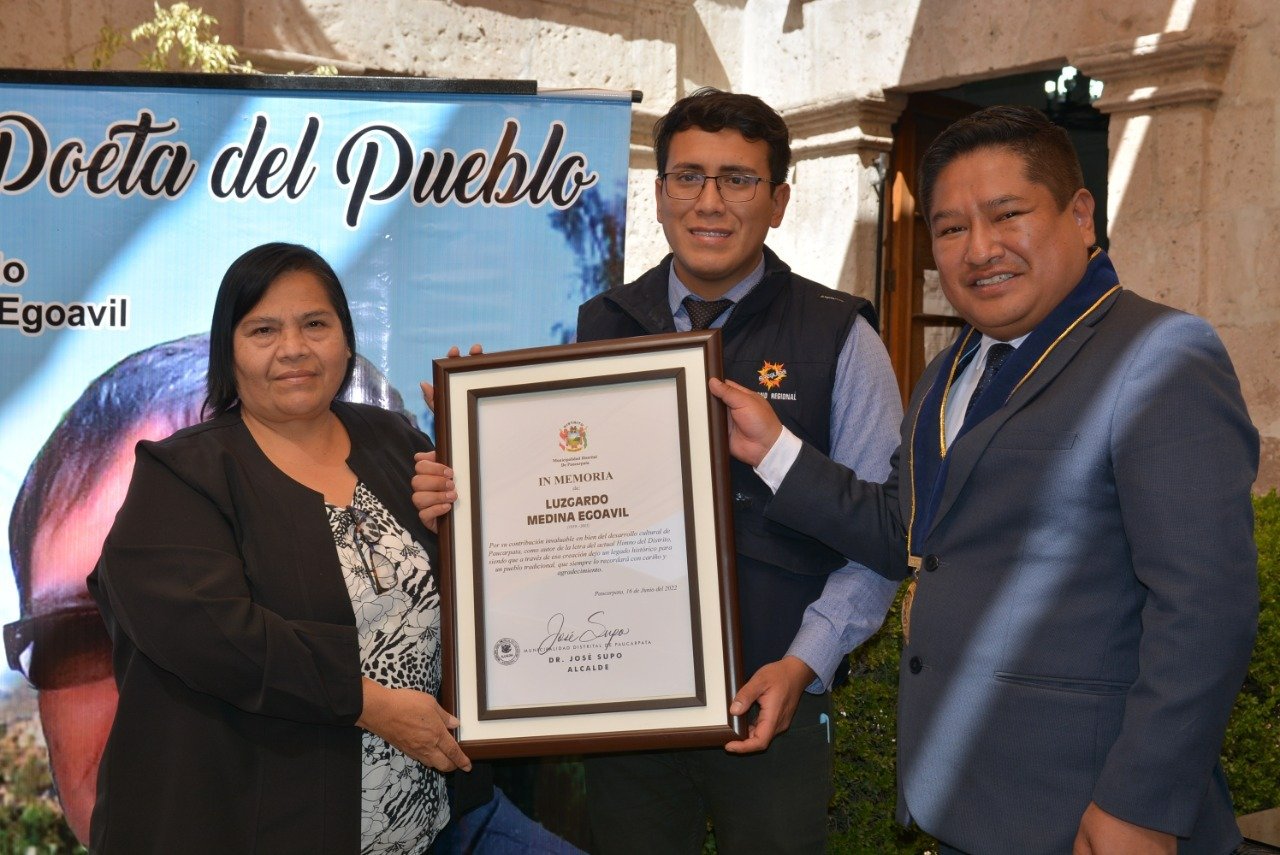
(573, 437)
(772, 375)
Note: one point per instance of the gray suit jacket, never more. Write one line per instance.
(1088, 597)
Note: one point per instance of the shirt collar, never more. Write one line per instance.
(984, 345)
(677, 291)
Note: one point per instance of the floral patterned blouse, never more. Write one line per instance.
(397, 608)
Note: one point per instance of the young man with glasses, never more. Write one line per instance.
(813, 353)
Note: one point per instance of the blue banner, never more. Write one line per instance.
(450, 217)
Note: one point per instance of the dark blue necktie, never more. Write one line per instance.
(703, 312)
(996, 356)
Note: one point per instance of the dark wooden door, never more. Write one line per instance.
(917, 320)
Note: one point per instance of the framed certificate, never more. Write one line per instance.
(588, 599)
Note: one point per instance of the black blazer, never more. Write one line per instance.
(235, 647)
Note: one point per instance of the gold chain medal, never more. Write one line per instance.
(913, 561)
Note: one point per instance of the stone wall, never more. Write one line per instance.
(1194, 181)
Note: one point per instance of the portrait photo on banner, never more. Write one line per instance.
(125, 199)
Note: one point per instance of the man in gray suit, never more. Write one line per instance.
(1071, 498)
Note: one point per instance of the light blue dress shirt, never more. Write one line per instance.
(866, 411)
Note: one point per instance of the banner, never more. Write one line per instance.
(453, 213)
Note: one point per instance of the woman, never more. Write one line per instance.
(272, 604)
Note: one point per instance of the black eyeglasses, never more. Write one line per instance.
(59, 649)
(733, 186)
(380, 570)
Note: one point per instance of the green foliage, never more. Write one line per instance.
(179, 38)
(1251, 751)
(861, 817)
(109, 43)
(190, 31)
(31, 821)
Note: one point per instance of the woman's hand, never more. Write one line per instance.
(413, 722)
(433, 488)
(429, 391)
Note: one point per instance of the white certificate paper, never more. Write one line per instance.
(587, 583)
(585, 570)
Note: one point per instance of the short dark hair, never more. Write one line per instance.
(243, 285)
(1045, 149)
(165, 381)
(712, 110)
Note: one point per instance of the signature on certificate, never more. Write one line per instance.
(593, 629)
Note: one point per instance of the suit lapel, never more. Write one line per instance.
(921, 431)
(968, 449)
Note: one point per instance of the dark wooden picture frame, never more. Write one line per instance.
(672, 368)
